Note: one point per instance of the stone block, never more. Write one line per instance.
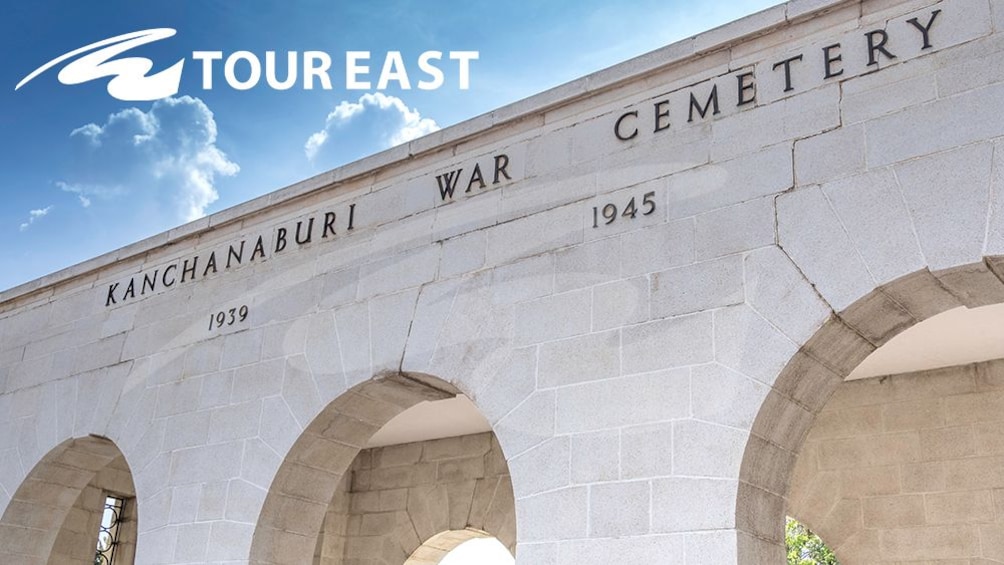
(745, 342)
(619, 509)
(767, 466)
(398, 272)
(621, 303)
(960, 507)
(799, 116)
(921, 294)
(523, 280)
(950, 224)
(579, 359)
(973, 285)
(542, 468)
(339, 287)
(726, 183)
(542, 553)
(657, 248)
(931, 542)
(830, 155)
(977, 407)
(534, 234)
(734, 229)
(812, 235)
(995, 222)
(589, 264)
(992, 542)
(688, 505)
(901, 86)
(780, 293)
(431, 313)
(723, 396)
(553, 190)
(644, 549)
(511, 380)
(878, 222)
(974, 473)
(989, 438)
(625, 401)
(646, 451)
(923, 477)
(913, 415)
(553, 317)
(788, 421)
(760, 513)
(875, 451)
(877, 318)
(886, 512)
(476, 214)
(179, 397)
(707, 450)
(697, 287)
(459, 470)
(596, 457)
(674, 342)
(187, 430)
(539, 522)
(205, 464)
(529, 424)
(838, 347)
(947, 443)
(843, 521)
(933, 127)
(462, 254)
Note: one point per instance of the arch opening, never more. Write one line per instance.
(888, 458)
(804, 546)
(57, 514)
(461, 547)
(388, 464)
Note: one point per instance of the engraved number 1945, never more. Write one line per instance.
(609, 213)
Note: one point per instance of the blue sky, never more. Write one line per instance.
(83, 173)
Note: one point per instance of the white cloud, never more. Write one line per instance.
(167, 154)
(376, 121)
(80, 191)
(35, 215)
(314, 143)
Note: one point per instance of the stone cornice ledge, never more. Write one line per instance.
(717, 38)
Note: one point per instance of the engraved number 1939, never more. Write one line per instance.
(228, 317)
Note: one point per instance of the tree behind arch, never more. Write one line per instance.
(805, 547)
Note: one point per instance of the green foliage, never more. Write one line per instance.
(805, 547)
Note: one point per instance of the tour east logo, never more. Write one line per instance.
(132, 79)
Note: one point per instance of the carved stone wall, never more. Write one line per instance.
(649, 374)
(908, 468)
(400, 496)
(77, 538)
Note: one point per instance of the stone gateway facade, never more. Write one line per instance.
(651, 285)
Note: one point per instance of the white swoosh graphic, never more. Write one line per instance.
(130, 81)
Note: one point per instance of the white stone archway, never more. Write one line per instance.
(55, 514)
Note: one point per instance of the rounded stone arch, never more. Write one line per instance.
(438, 546)
(54, 515)
(318, 464)
(814, 372)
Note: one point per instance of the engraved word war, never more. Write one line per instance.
(449, 181)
